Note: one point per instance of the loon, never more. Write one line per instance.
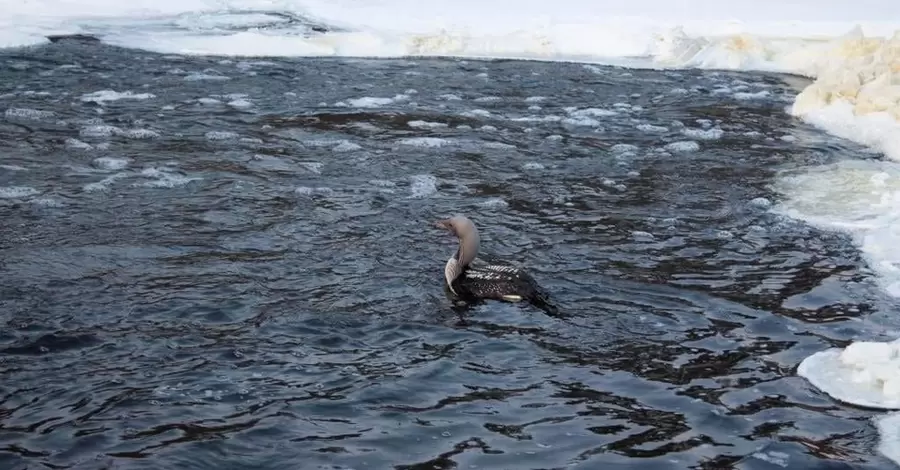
(470, 281)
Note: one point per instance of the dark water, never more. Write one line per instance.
(272, 298)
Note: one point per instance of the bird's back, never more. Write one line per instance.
(498, 282)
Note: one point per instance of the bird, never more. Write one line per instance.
(471, 281)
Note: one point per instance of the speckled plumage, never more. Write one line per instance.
(470, 280)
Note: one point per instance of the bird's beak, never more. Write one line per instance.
(444, 224)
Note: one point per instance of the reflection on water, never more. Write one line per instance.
(235, 266)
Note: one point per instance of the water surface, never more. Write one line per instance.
(213, 263)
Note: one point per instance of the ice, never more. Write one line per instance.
(139, 134)
(104, 96)
(105, 183)
(346, 146)
(426, 125)
(623, 148)
(684, 146)
(851, 51)
(197, 77)
(865, 373)
(313, 167)
(494, 203)
(427, 142)
(703, 134)
(16, 192)
(100, 130)
(752, 96)
(650, 128)
(860, 197)
(422, 186)
(240, 103)
(76, 144)
(110, 163)
(28, 114)
(221, 135)
(372, 102)
(164, 178)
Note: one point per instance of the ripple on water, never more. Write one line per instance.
(270, 292)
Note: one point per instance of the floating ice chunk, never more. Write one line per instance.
(476, 113)
(110, 163)
(101, 130)
(372, 102)
(777, 458)
(76, 144)
(16, 192)
(240, 103)
(581, 121)
(429, 142)
(449, 97)
(593, 112)
(704, 134)
(221, 135)
(308, 191)
(684, 146)
(314, 167)
(494, 203)
(752, 96)
(865, 373)
(537, 119)
(104, 96)
(641, 236)
(535, 99)
(650, 128)
(346, 146)
(554, 138)
(487, 128)
(761, 202)
(105, 183)
(623, 148)
(28, 114)
(422, 186)
(165, 179)
(208, 101)
(139, 134)
(196, 77)
(426, 125)
(46, 202)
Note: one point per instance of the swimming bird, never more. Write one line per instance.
(470, 281)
